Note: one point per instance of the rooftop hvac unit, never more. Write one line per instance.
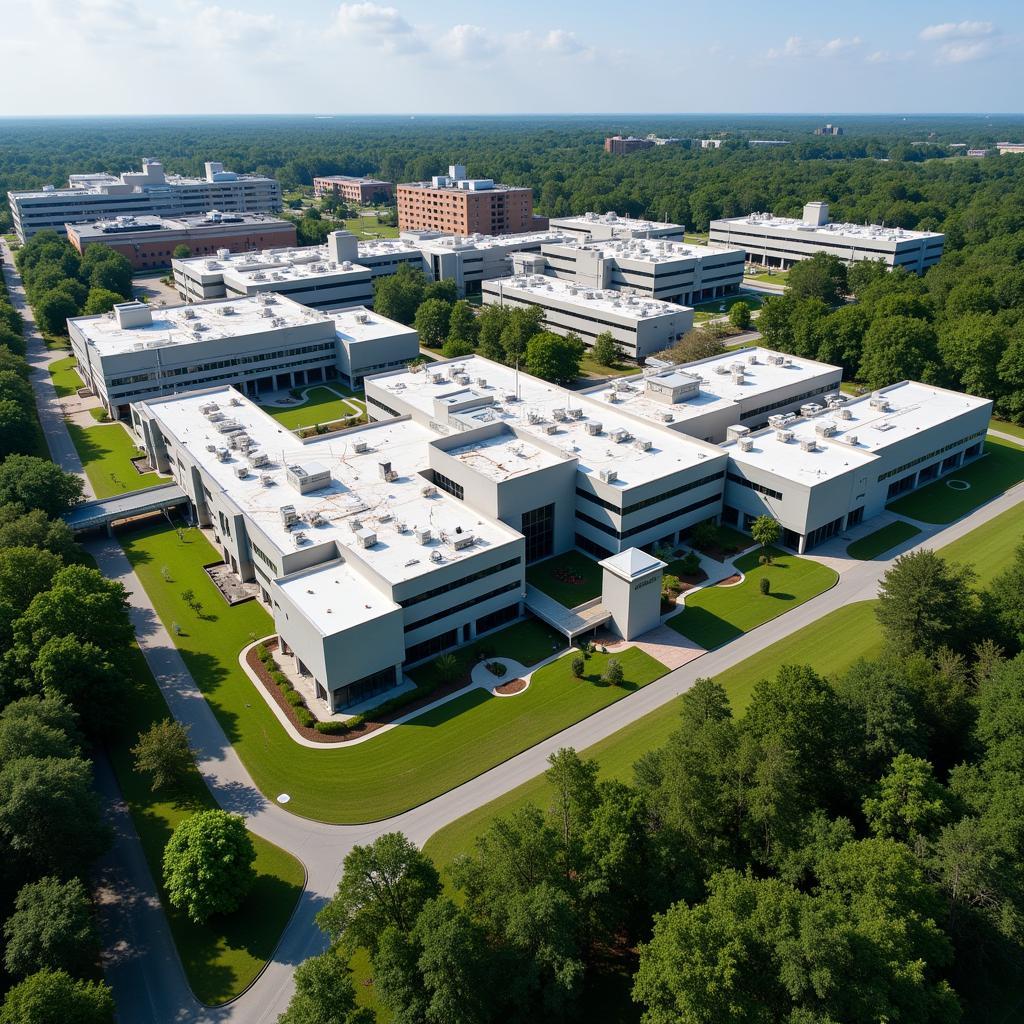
(366, 538)
(609, 476)
(188, 313)
(423, 536)
(359, 447)
(612, 397)
(401, 527)
(808, 444)
(574, 414)
(622, 385)
(436, 378)
(226, 426)
(207, 407)
(810, 409)
(745, 444)
(227, 310)
(235, 400)
(259, 459)
(834, 401)
(738, 377)
(559, 415)
(620, 435)
(222, 454)
(384, 517)
(316, 519)
(481, 382)
(509, 396)
(785, 436)
(428, 490)
(844, 414)
(462, 378)
(666, 417)
(775, 360)
(825, 429)
(266, 479)
(436, 556)
(851, 439)
(721, 368)
(211, 447)
(241, 471)
(736, 367)
(362, 318)
(463, 540)
(267, 313)
(643, 444)
(593, 427)
(299, 538)
(879, 402)
(288, 515)
(550, 428)
(752, 359)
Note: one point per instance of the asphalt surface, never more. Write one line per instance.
(141, 962)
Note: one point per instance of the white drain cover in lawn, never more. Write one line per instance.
(283, 798)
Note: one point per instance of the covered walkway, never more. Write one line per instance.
(573, 622)
(104, 512)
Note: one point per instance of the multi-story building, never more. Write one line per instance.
(362, 191)
(620, 145)
(602, 227)
(656, 267)
(711, 143)
(1009, 147)
(258, 344)
(767, 142)
(148, 242)
(456, 205)
(783, 241)
(92, 197)
(640, 326)
(835, 465)
(331, 276)
(828, 129)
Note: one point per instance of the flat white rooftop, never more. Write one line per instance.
(460, 243)
(717, 389)
(855, 441)
(334, 597)
(287, 258)
(504, 457)
(585, 221)
(767, 223)
(541, 289)
(658, 250)
(359, 324)
(244, 277)
(392, 510)
(538, 412)
(195, 324)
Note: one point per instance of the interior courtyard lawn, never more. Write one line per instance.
(388, 774)
(365, 227)
(763, 277)
(721, 306)
(570, 578)
(877, 543)
(829, 646)
(222, 957)
(323, 403)
(1001, 467)
(65, 377)
(106, 453)
(715, 615)
(590, 367)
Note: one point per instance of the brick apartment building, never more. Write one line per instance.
(353, 189)
(457, 205)
(620, 144)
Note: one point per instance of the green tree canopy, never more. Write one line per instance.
(54, 997)
(554, 358)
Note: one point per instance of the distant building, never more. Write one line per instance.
(828, 129)
(620, 145)
(670, 141)
(92, 197)
(354, 190)
(768, 142)
(711, 143)
(456, 205)
(979, 152)
(1010, 147)
(148, 242)
(600, 227)
(782, 241)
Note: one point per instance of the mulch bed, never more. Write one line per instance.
(573, 579)
(511, 687)
(729, 581)
(367, 727)
(719, 554)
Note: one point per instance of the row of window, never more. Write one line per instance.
(455, 609)
(812, 244)
(447, 485)
(930, 455)
(380, 405)
(462, 581)
(634, 530)
(792, 400)
(760, 488)
(647, 502)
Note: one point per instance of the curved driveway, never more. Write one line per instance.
(141, 962)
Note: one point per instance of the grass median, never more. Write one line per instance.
(390, 773)
(106, 453)
(877, 543)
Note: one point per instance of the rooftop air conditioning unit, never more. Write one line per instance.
(436, 556)
(428, 490)
(463, 540)
(620, 435)
(359, 447)
(810, 409)
(288, 515)
(851, 439)
(844, 414)
(738, 377)
(752, 359)
(299, 538)
(776, 360)
(222, 454)
(481, 382)
(879, 402)
(227, 310)
(267, 314)
(241, 471)
(785, 436)
(825, 429)
(207, 407)
(643, 444)
(559, 415)
(366, 538)
(609, 476)
(266, 479)
(721, 368)
(593, 427)
(259, 459)
(509, 396)
(808, 444)
(574, 414)
(235, 400)
(423, 536)
(189, 314)
(745, 444)
(211, 448)
(462, 378)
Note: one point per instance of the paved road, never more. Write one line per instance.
(141, 962)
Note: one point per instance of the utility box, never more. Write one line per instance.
(631, 591)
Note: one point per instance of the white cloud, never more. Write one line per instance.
(799, 47)
(888, 56)
(468, 42)
(558, 40)
(961, 41)
(379, 26)
(958, 30)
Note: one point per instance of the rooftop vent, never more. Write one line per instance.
(241, 471)
(463, 540)
(609, 476)
(299, 538)
(288, 515)
(745, 444)
(843, 414)
(550, 428)
(620, 435)
(428, 490)
(423, 536)
(851, 439)
(785, 436)
(593, 427)
(359, 447)
(559, 415)
(643, 444)
(879, 402)
(825, 429)
(366, 538)
(808, 444)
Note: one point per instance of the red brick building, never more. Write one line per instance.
(363, 191)
(149, 242)
(619, 144)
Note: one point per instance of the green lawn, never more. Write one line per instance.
(695, 238)
(571, 578)
(877, 543)
(65, 378)
(391, 773)
(323, 404)
(990, 547)
(720, 307)
(370, 227)
(763, 276)
(590, 367)
(829, 646)
(715, 615)
(223, 956)
(1008, 428)
(1000, 468)
(106, 453)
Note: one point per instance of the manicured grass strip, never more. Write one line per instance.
(323, 404)
(1000, 468)
(989, 548)
(1008, 428)
(388, 774)
(715, 615)
(570, 578)
(875, 544)
(65, 377)
(106, 453)
(830, 646)
(775, 277)
(590, 367)
(370, 227)
(223, 956)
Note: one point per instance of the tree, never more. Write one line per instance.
(163, 753)
(574, 799)
(554, 358)
(34, 483)
(898, 348)
(54, 997)
(765, 586)
(100, 300)
(766, 531)
(457, 348)
(37, 726)
(462, 325)
(521, 324)
(491, 322)
(385, 883)
(36, 530)
(52, 927)
(53, 308)
(739, 315)
(613, 673)
(397, 980)
(208, 864)
(324, 994)
(823, 276)
(694, 345)
(398, 296)
(1006, 595)
(113, 274)
(774, 321)
(908, 804)
(446, 290)
(925, 602)
(16, 429)
(605, 351)
(431, 321)
(181, 252)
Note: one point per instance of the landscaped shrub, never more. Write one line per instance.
(280, 678)
(306, 717)
(263, 654)
(496, 668)
(690, 563)
(613, 674)
(294, 698)
(765, 586)
(333, 728)
(578, 665)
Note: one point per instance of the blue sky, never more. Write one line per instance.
(415, 56)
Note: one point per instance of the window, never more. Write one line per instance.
(760, 488)
(647, 502)
(634, 530)
(498, 618)
(363, 689)
(454, 609)
(446, 484)
(434, 645)
(461, 582)
(538, 527)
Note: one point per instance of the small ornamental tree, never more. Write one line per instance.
(181, 252)
(605, 351)
(613, 674)
(739, 315)
(578, 665)
(765, 585)
(765, 530)
(163, 753)
(208, 864)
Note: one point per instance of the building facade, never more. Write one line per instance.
(92, 197)
(620, 145)
(149, 242)
(456, 205)
(605, 227)
(782, 241)
(362, 191)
